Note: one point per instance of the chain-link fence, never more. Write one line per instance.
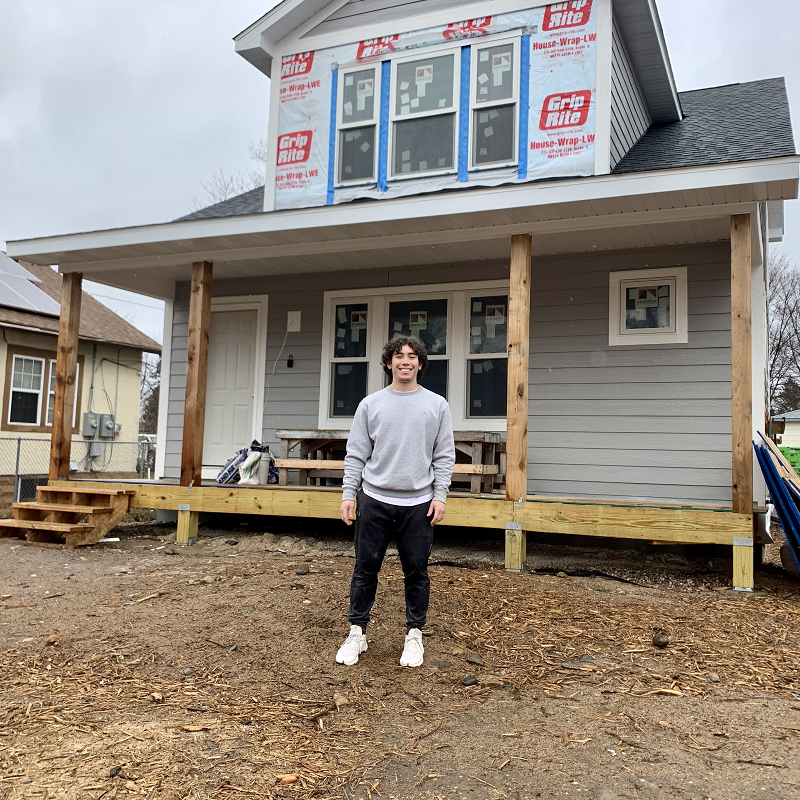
(24, 463)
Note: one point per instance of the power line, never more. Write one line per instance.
(131, 302)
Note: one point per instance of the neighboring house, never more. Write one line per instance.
(582, 247)
(791, 428)
(108, 381)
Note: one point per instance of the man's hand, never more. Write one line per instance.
(436, 510)
(347, 509)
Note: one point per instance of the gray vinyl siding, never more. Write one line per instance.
(293, 400)
(641, 422)
(630, 118)
(367, 12)
(644, 422)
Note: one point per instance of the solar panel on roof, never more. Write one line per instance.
(19, 292)
(10, 267)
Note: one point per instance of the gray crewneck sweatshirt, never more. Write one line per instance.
(400, 445)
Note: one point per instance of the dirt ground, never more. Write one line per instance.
(208, 672)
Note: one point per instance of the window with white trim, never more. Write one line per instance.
(27, 378)
(494, 97)
(357, 143)
(464, 331)
(648, 306)
(423, 113)
(51, 394)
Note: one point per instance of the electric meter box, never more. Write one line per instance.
(106, 426)
(89, 425)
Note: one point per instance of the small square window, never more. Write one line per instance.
(648, 307)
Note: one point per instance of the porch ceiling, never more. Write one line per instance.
(582, 215)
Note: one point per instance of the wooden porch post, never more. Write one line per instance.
(66, 366)
(194, 412)
(519, 310)
(741, 393)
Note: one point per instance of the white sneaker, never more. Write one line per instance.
(353, 646)
(413, 650)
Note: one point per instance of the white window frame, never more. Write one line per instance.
(458, 296)
(52, 393)
(483, 44)
(434, 51)
(341, 125)
(618, 282)
(39, 394)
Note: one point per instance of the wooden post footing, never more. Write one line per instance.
(516, 547)
(743, 564)
(187, 526)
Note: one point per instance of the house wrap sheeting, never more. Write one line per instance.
(556, 100)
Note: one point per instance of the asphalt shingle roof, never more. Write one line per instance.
(723, 124)
(98, 323)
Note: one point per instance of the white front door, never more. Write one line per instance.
(231, 379)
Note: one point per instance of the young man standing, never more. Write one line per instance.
(400, 456)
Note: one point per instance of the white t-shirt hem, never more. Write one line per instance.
(400, 501)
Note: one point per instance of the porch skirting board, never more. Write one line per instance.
(658, 524)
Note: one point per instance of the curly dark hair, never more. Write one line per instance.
(395, 345)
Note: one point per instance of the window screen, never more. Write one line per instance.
(423, 145)
(493, 135)
(351, 331)
(425, 319)
(357, 154)
(487, 387)
(358, 96)
(349, 383)
(494, 73)
(424, 85)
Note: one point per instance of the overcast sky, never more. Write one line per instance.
(112, 114)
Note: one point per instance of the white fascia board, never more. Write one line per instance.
(662, 44)
(294, 43)
(427, 207)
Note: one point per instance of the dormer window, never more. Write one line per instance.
(358, 117)
(494, 98)
(423, 115)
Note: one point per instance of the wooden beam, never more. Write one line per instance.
(678, 525)
(516, 547)
(187, 527)
(194, 413)
(330, 464)
(66, 366)
(741, 365)
(519, 311)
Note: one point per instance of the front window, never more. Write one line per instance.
(424, 115)
(26, 391)
(463, 327)
(358, 118)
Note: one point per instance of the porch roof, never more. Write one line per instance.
(678, 185)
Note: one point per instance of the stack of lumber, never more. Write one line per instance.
(784, 489)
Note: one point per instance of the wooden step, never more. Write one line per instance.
(64, 507)
(87, 490)
(41, 525)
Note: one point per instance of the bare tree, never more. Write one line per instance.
(223, 185)
(784, 333)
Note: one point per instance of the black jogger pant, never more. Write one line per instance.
(376, 524)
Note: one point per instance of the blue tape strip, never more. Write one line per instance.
(332, 137)
(463, 115)
(524, 104)
(383, 129)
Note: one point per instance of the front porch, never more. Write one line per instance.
(644, 505)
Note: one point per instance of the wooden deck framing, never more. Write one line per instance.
(667, 523)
